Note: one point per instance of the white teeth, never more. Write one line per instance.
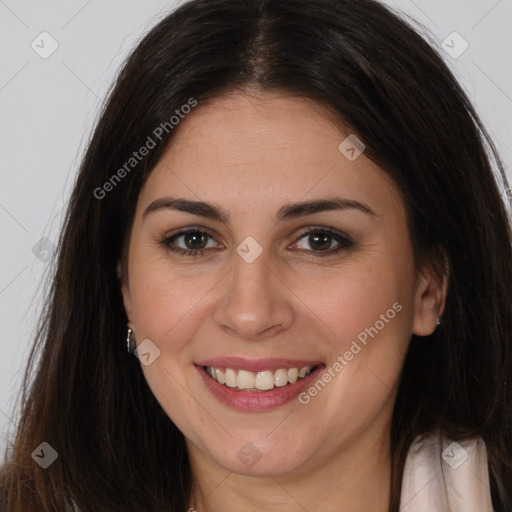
(220, 376)
(245, 380)
(230, 378)
(302, 372)
(293, 374)
(280, 377)
(263, 381)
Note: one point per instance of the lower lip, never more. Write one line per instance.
(251, 401)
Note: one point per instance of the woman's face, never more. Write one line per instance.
(265, 297)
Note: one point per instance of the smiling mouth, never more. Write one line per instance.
(266, 380)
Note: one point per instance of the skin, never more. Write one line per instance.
(250, 153)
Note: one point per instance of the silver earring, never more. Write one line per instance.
(438, 323)
(130, 340)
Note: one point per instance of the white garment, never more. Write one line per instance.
(453, 477)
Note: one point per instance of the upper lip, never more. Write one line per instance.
(257, 365)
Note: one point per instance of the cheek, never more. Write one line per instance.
(163, 298)
(350, 298)
(165, 308)
(365, 308)
(370, 324)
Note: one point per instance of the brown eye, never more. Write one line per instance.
(320, 241)
(194, 242)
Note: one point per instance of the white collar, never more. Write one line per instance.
(451, 477)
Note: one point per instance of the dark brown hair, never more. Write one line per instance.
(118, 450)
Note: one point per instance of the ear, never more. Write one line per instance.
(429, 300)
(125, 290)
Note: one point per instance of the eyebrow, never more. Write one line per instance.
(287, 212)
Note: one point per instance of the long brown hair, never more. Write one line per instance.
(82, 394)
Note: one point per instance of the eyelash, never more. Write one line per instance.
(345, 242)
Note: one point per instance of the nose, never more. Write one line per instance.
(256, 304)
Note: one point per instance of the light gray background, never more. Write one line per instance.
(49, 106)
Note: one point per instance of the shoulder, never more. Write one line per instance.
(445, 475)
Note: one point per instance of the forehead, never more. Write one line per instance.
(242, 147)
